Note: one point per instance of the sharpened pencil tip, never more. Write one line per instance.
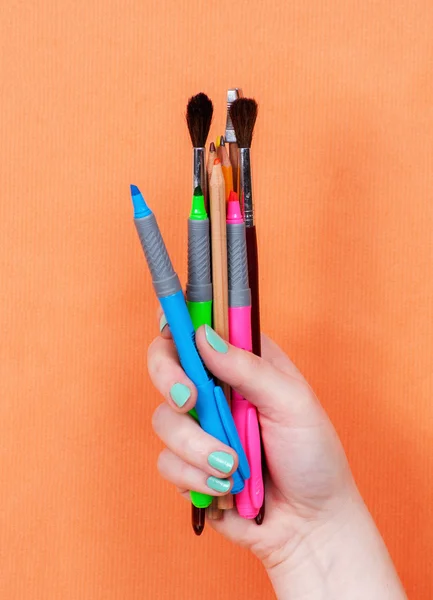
(212, 147)
(222, 141)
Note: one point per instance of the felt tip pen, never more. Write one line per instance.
(211, 406)
(249, 501)
(199, 301)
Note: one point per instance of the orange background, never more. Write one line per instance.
(92, 99)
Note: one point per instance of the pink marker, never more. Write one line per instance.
(250, 499)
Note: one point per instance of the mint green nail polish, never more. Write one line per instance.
(215, 341)
(180, 394)
(218, 485)
(162, 322)
(221, 461)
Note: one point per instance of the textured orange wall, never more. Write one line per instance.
(92, 98)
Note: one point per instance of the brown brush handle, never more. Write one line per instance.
(198, 519)
(253, 276)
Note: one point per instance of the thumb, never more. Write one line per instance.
(277, 395)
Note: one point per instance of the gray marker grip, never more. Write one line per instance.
(239, 290)
(199, 286)
(164, 279)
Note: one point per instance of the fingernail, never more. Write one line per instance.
(222, 461)
(218, 485)
(215, 341)
(180, 394)
(162, 322)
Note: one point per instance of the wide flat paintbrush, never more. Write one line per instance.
(230, 136)
(199, 112)
(243, 113)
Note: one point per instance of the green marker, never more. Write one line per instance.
(199, 288)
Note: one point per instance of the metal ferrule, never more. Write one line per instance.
(199, 176)
(232, 95)
(230, 135)
(245, 186)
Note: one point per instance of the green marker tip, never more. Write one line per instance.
(198, 209)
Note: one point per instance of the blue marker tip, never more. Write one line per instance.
(140, 207)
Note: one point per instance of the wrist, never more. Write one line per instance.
(341, 557)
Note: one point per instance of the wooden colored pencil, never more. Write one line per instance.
(217, 204)
(213, 513)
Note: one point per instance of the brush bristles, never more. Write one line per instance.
(243, 113)
(199, 118)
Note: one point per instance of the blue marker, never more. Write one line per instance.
(212, 408)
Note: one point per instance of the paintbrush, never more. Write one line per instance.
(199, 113)
(243, 113)
(230, 136)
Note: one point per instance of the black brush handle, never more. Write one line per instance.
(253, 276)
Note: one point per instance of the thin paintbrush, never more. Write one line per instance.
(243, 113)
(230, 136)
(199, 112)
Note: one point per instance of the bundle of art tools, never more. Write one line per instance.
(222, 291)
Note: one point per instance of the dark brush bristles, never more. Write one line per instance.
(243, 113)
(199, 113)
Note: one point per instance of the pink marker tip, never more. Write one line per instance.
(234, 213)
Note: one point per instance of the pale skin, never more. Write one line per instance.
(318, 541)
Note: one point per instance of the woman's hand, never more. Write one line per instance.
(317, 529)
